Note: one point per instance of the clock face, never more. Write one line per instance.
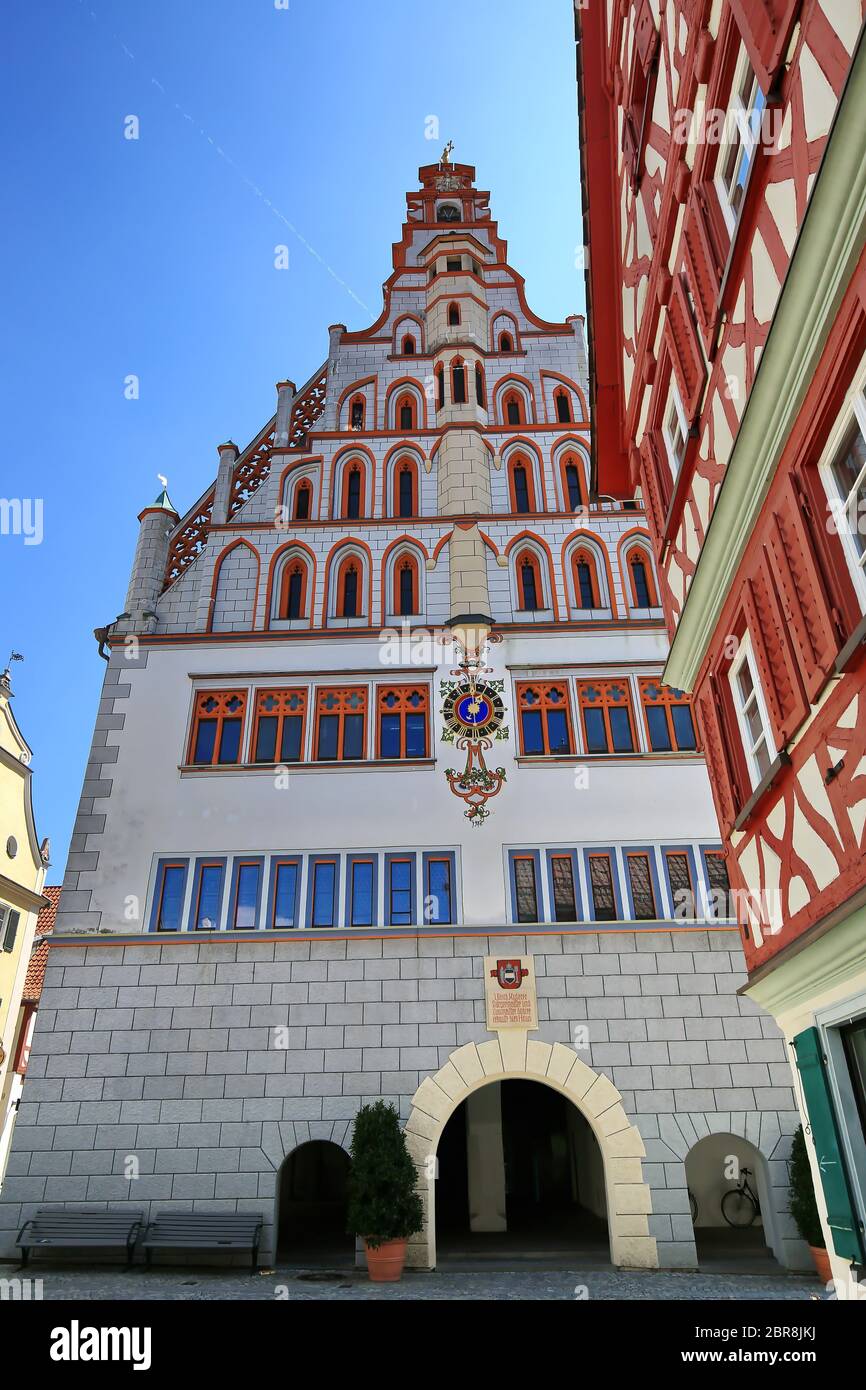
(476, 714)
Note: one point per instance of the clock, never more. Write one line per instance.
(474, 714)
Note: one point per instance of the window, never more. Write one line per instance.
(350, 589)
(668, 717)
(406, 481)
(562, 884)
(573, 489)
(440, 387)
(409, 346)
(604, 906)
(362, 892)
(752, 717)
(453, 315)
(586, 592)
(9, 920)
(356, 413)
(168, 901)
(303, 500)
(525, 891)
(406, 413)
(844, 477)
(401, 890)
(743, 134)
(279, 730)
(353, 479)
(529, 586)
(453, 264)
(449, 212)
(606, 713)
(285, 879)
(293, 590)
(640, 882)
(506, 342)
(323, 907)
(403, 721)
(513, 409)
(643, 594)
(207, 895)
(720, 898)
(458, 383)
(438, 906)
(853, 1037)
(680, 884)
(563, 407)
(245, 894)
(341, 724)
(521, 487)
(479, 385)
(217, 727)
(545, 718)
(675, 432)
(406, 587)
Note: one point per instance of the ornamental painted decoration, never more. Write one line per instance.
(473, 713)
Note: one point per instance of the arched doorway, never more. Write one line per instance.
(717, 1165)
(311, 1205)
(519, 1173)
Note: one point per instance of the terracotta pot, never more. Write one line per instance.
(385, 1262)
(822, 1264)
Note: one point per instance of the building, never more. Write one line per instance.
(386, 798)
(726, 165)
(22, 873)
(22, 1037)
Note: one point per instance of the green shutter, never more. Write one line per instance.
(841, 1214)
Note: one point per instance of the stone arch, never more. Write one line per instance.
(280, 1140)
(512, 1054)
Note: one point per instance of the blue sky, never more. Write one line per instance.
(155, 257)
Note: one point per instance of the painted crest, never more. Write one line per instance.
(509, 974)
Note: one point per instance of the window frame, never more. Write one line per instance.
(429, 858)
(317, 861)
(665, 701)
(603, 852)
(352, 862)
(853, 412)
(686, 852)
(745, 655)
(222, 716)
(321, 692)
(245, 861)
(647, 852)
(674, 406)
(543, 708)
(604, 705)
(403, 689)
(746, 145)
(282, 694)
(199, 865)
(163, 865)
(391, 861)
(571, 855)
(716, 852)
(534, 857)
(277, 862)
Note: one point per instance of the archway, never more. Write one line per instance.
(714, 1166)
(519, 1173)
(311, 1205)
(513, 1055)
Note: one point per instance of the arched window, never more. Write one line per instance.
(563, 407)
(406, 413)
(458, 382)
(440, 387)
(448, 212)
(409, 346)
(572, 485)
(353, 490)
(406, 586)
(356, 413)
(506, 342)
(406, 489)
(520, 486)
(479, 384)
(293, 590)
(303, 501)
(349, 594)
(585, 579)
(643, 591)
(513, 409)
(453, 315)
(529, 588)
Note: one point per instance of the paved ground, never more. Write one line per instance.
(292, 1283)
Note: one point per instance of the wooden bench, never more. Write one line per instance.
(71, 1228)
(204, 1230)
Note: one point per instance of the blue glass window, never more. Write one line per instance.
(324, 893)
(248, 878)
(285, 896)
(363, 887)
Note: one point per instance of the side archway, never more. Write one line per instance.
(512, 1054)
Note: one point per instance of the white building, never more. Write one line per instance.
(286, 882)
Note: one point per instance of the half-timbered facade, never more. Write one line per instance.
(383, 730)
(725, 163)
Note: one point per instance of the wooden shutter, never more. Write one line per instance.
(702, 269)
(815, 625)
(722, 777)
(645, 34)
(686, 358)
(777, 664)
(766, 27)
(845, 1226)
(654, 484)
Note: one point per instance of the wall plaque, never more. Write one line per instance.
(509, 992)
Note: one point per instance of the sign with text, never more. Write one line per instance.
(509, 992)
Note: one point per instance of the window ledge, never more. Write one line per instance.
(310, 765)
(578, 759)
(857, 639)
(767, 781)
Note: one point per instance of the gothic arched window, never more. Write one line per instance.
(506, 342)
(409, 345)
(520, 486)
(642, 586)
(406, 586)
(458, 382)
(406, 489)
(529, 587)
(573, 488)
(563, 407)
(585, 579)
(349, 589)
(514, 409)
(294, 590)
(353, 490)
(453, 315)
(303, 499)
(479, 384)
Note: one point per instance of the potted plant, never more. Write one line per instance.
(384, 1207)
(803, 1206)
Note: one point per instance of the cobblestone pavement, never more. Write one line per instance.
(295, 1284)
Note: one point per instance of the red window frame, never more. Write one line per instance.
(362, 401)
(406, 402)
(453, 314)
(281, 713)
(458, 365)
(513, 398)
(164, 867)
(293, 566)
(562, 395)
(529, 558)
(306, 487)
(404, 466)
(406, 562)
(409, 351)
(605, 704)
(521, 461)
(342, 694)
(541, 706)
(402, 708)
(666, 698)
(350, 562)
(220, 714)
(586, 557)
(570, 461)
(354, 466)
(636, 554)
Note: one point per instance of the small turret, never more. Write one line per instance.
(151, 555)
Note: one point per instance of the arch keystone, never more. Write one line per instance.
(512, 1044)
(490, 1054)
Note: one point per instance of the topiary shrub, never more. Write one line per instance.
(803, 1206)
(383, 1203)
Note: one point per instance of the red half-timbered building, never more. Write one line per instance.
(724, 167)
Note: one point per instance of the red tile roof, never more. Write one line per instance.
(39, 954)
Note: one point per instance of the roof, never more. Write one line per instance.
(39, 954)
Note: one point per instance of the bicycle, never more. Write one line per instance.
(693, 1206)
(740, 1206)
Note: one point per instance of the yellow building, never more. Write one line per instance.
(23, 864)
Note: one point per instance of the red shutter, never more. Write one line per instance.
(657, 495)
(645, 35)
(815, 625)
(723, 783)
(777, 665)
(766, 27)
(688, 363)
(702, 270)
